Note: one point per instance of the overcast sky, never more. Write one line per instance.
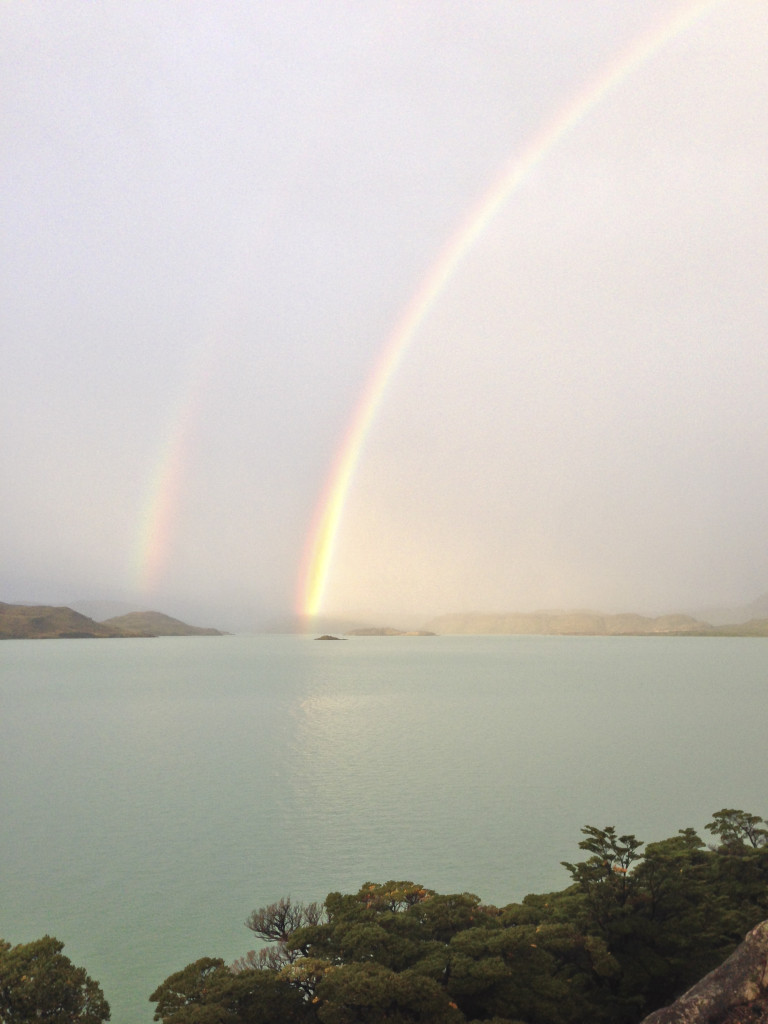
(213, 215)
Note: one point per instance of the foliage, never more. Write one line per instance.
(208, 992)
(637, 926)
(675, 914)
(737, 829)
(274, 924)
(39, 983)
(634, 929)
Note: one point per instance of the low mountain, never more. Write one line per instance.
(755, 627)
(157, 624)
(48, 622)
(387, 631)
(568, 623)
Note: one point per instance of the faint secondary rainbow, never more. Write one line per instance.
(162, 497)
(324, 530)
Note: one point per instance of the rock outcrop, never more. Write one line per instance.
(734, 993)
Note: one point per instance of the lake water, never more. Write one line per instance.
(154, 792)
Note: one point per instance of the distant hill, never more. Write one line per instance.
(157, 624)
(46, 622)
(585, 623)
(755, 627)
(575, 623)
(387, 631)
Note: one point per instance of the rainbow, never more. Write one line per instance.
(324, 529)
(161, 500)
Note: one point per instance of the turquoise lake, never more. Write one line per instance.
(154, 792)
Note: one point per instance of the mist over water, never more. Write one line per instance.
(155, 792)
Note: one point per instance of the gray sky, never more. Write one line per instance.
(212, 216)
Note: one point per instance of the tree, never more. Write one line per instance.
(606, 878)
(368, 993)
(741, 860)
(673, 913)
(632, 931)
(276, 924)
(209, 992)
(737, 828)
(39, 983)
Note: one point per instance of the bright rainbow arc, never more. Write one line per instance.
(325, 527)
